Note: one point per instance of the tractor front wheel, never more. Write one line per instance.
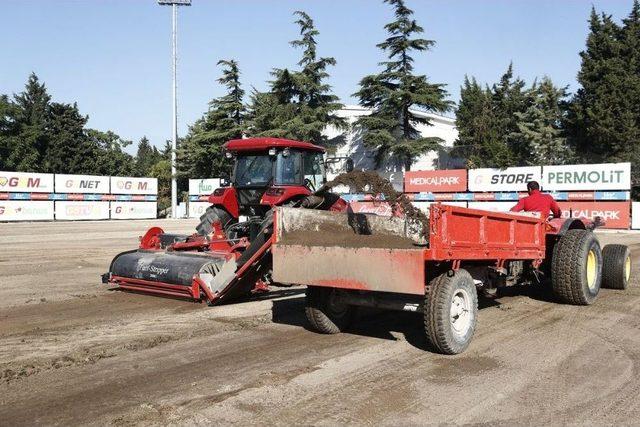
(451, 311)
(576, 267)
(325, 312)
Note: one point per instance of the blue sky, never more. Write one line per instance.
(113, 56)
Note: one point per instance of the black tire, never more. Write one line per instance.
(325, 314)
(211, 215)
(571, 281)
(439, 325)
(616, 266)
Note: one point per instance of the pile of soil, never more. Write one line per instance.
(369, 182)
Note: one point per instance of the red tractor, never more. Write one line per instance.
(230, 253)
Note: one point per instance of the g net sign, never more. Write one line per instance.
(82, 184)
(604, 176)
(509, 179)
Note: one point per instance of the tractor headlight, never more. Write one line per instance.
(272, 151)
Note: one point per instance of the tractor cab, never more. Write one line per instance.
(269, 172)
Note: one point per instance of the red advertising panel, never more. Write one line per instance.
(440, 181)
(378, 208)
(614, 214)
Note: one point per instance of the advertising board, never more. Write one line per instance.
(635, 215)
(23, 182)
(437, 181)
(133, 210)
(203, 187)
(197, 209)
(81, 184)
(492, 206)
(614, 214)
(509, 179)
(424, 206)
(22, 210)
(81, 210)
(130, 185)
(604, 176)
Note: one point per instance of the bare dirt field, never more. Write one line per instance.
(72, 351)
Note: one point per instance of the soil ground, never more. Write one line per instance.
(72, 351)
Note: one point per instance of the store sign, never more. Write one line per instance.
(200, 187)
(82, 184)
(614, 214)
(26, 182)
(129, 185)
(438, 181)
(509, 179)
(81, 210)
(605, 176)
(133, 210)
(197, 209)
(635, 215)
(18, 210)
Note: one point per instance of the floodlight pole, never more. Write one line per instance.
(174, 87)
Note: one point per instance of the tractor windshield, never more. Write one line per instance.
(254, 170)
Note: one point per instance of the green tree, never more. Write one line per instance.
(146, 156)
(68, 149)
(110, 158)
(299, 104)
(396, 92)
(507, 100)
(28, 148)
(201, 155)
(540, 135)
(162, 171)
(8, 129)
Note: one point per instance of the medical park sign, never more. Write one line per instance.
(605, 176)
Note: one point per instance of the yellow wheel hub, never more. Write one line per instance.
(592, 269)
(627, 269)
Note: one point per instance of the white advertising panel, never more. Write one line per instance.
(635, 215)
(424, 206)
(81, 210)
(23, 210)
(133, 210)
(82, 184)
(197, 209)
(129, 185)
(23, 182)
(203, 187)
(509, 179)
(605, 176)
(492, 206)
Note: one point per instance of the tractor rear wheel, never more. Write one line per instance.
(616, 266)
(576, 267)
(325, 312)
(451, 311)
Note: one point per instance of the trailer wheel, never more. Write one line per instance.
(616, 266)
(325, 313)
(576, 267)
(451, 311)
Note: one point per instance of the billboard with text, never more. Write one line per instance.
(605, 176)
(133, 210)
(81, 210)
(203, 187)
(509, 179)
(614, 214)
(22, 210)
(81, 184)
(436, 181)
(130, 185)
(23, 182)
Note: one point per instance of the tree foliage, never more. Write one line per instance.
(397, 92)
(299, 104)
(201, 154)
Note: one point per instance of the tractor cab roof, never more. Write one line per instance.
(263, 144)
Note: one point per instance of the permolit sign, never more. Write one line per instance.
(81, 184)
(604, 176)
(509, 179)
(24, 182)
(203, 187)
(437, 181)
(129, 185)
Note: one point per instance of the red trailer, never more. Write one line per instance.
(349, 260)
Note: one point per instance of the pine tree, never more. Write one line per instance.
(146, 156)
(540, 134)
(8, 129)
(299, 104)
(395, 92)
(200, 155)
(28, 148)
(68, 149)
(507, 100)
(111, 159)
